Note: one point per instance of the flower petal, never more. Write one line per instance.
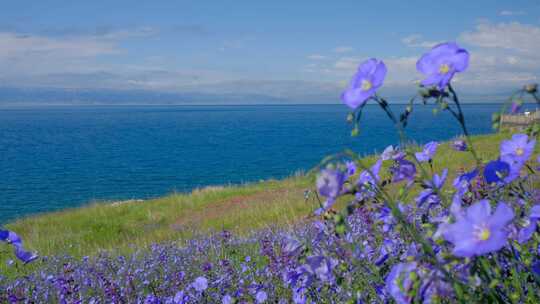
(479, 211)
(502, 216)
(379, 75)
(356, 97)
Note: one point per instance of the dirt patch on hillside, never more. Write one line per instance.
(234, 204)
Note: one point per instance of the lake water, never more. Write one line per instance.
(57, 157)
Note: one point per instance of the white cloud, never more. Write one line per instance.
(511, 13)
(83, 60)
(316, 57)
(512, 36)
(139, 32)
(14, 45)
(416, 40)
(347, 63)
(343, 49)
(503, 55)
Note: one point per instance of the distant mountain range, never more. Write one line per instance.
(239, 92)
(53, 96)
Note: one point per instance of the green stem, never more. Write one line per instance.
(461, 120)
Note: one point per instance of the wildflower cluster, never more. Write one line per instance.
(410, 232)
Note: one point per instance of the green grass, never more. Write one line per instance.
(241, 209)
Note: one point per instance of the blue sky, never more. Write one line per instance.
(271, 47)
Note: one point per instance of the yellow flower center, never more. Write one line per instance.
(366, 85)
(483, 233)
(444, 68)
(519, 151)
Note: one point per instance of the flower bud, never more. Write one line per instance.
(424, 93)
(350, 117)
(531, 88)
(408, 109)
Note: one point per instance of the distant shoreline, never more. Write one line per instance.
(104, 105)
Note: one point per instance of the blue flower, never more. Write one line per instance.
(526, 233)
(478, 231)
(367, 181)
(392, 153)
(369, 77)
(261, 296)
(227, 299)
(428, 152)
(399, 282)
(429, 194)
(320, 267)
(441, 63)
(459, 145)
(12, 238)
(200, 284)
(461, 183)
(517, 151)
(403, 170)
(329, 182)
(499, 172)
(351, 168)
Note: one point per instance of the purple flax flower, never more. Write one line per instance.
(366, 178)
(200, 284)
(429, 194)
(367, 183)
(527, 232)
(441, 63)
(261, 296)
(427, 153)
(478, 231)
(329, 183)
(399, 282)
(227, 299)
(321, 267)
(465, 177)
(535, 267)
(392, 153)
(368, 78)
(10, 237)
(4, 234)
(459, 145)
(461, 183)
(403, 170)
(13, 239)
(500, 172)
(351, 168)
(179, 297)
(290, 246)
(25, 256)
(518, 149)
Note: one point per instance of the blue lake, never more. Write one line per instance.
(57, 157)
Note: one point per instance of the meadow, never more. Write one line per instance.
(239, 209)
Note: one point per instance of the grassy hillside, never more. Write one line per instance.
(86, 230)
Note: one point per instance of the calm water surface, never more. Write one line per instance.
(57, 157)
